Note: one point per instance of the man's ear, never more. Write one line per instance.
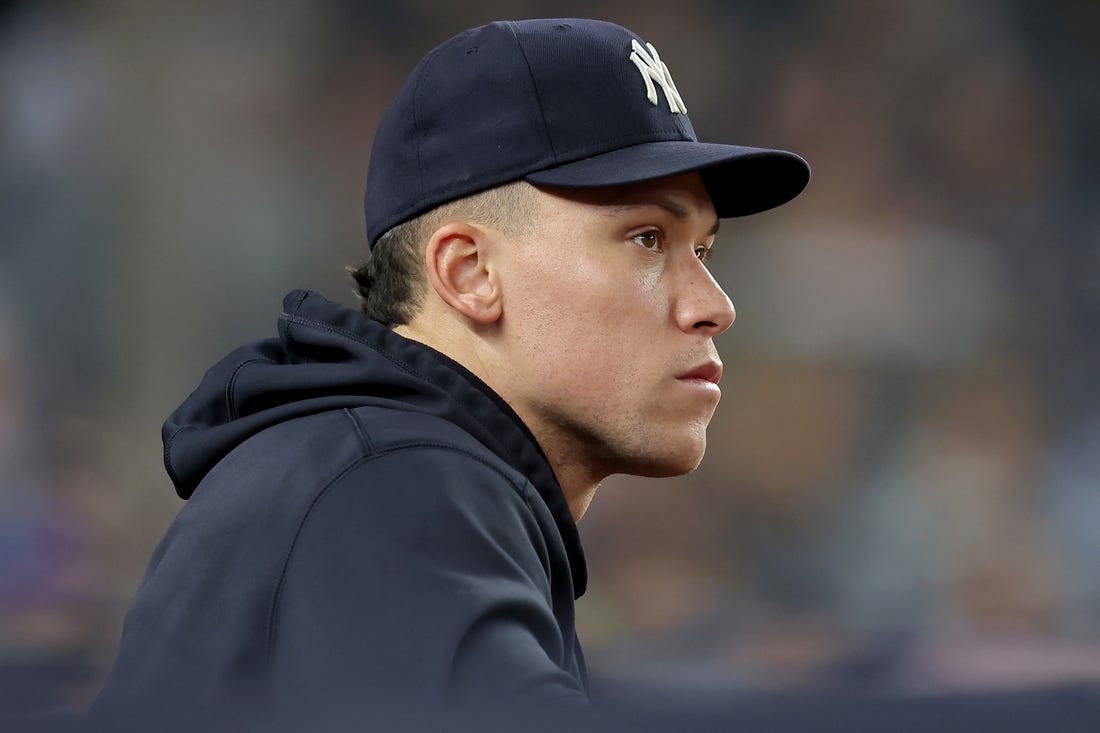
(457, 264)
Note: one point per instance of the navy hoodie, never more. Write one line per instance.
(366, 521)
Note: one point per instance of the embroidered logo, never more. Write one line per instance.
(655, 70)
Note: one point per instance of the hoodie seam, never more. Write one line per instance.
(292, 314)
(168, 452)
(368, 446)
(302, 295)
(301, 321)
(232, 384)
(273, 613)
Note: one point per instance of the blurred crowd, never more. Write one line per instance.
(902, 487)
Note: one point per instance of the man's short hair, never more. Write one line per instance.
(391, 284)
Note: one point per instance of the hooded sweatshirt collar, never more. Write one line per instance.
(328, 356)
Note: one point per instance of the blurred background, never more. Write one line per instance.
(902, 488)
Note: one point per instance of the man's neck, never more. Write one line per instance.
(577, 481)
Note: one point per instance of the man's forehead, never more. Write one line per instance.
(683, 196)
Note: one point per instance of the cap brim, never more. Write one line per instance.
(740, 180)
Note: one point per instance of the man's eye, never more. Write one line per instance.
(650, 240)
(702, 252)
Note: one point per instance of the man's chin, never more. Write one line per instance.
(673, 463)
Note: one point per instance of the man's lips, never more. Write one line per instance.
(711, 372)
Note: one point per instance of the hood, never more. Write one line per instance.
(328, 357)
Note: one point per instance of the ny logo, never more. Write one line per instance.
(654, 70)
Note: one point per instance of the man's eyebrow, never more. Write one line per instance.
(669, 204)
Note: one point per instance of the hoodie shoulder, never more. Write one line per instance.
(448, 545)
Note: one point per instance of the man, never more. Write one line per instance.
(383, 505)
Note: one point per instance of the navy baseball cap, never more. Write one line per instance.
(556, 102)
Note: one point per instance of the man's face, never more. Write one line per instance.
(608, 320)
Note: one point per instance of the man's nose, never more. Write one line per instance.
(703, 307)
